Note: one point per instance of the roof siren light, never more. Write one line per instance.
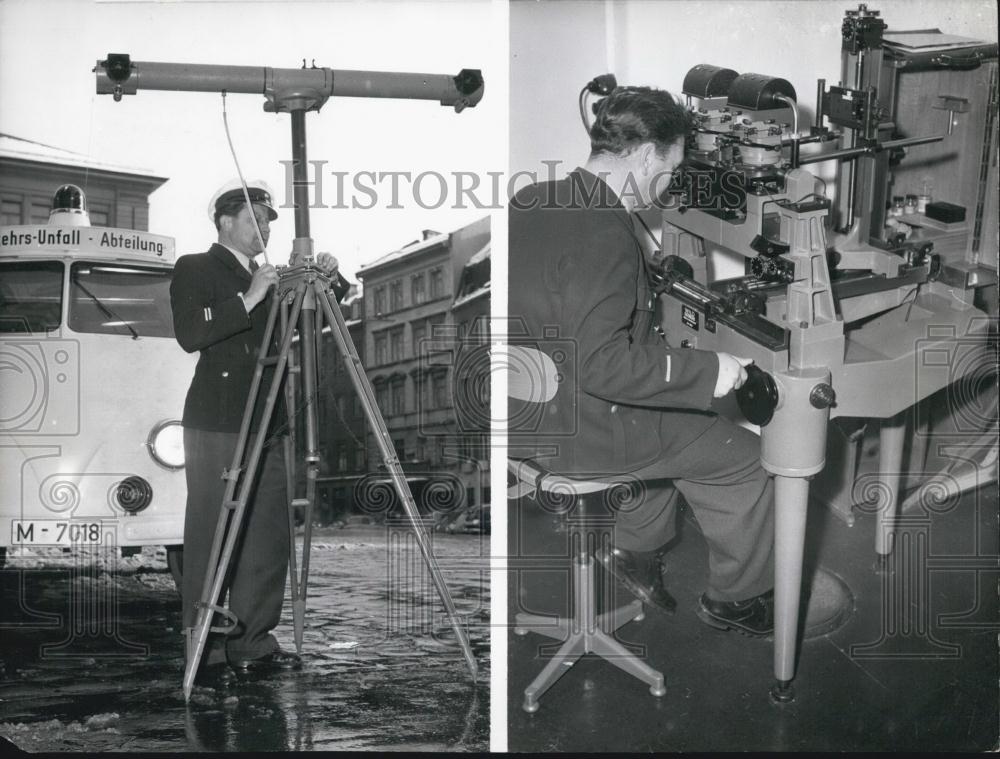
(69, 207)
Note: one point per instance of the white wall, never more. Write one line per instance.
(555, 48)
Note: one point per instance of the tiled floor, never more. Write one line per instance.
(914, 667)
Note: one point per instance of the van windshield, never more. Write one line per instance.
(119, 299)
(30, 296)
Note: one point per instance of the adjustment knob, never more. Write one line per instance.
(823, 396)
(758, 396)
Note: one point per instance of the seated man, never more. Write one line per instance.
(631, 403)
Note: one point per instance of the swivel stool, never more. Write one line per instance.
(586, 631)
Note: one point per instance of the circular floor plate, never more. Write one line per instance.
(831, 604)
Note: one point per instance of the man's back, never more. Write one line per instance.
(578, 290)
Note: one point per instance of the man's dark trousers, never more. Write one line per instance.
(260, 562)
(720, 476)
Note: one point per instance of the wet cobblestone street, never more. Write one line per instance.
(93, 657)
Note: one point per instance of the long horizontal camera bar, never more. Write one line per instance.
(119, 75)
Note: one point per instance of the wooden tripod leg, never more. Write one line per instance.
(362, 386)
(289, 453)
(310, 326)
(240, 480)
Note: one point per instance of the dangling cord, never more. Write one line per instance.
(243, 182)
(656, 243)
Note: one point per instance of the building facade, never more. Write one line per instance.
(30, 172)
(471, 375)
(420, 305)
(343, 429)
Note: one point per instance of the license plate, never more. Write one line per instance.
(55, 532)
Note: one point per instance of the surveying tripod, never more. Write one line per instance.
(303, 301)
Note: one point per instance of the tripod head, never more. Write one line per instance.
(290, 276)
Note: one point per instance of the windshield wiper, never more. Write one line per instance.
(105, 310)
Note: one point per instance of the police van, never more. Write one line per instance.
(92, 387)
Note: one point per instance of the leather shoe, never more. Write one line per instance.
(641, 573)
(277, 659)
(753, 617)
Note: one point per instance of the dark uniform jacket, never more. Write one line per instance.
(578, 291)
(209, 316)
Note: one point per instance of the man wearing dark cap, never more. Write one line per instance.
(220, 301)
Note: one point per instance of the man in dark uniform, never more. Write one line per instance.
(220, 301)
(631, 403)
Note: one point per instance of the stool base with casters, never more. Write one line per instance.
(586, 632)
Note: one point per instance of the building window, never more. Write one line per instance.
(357, 406)
(398, 397)
(473, 331)
(418, 289)
(39, 213)
(420, 390)
(437, 283)
(439, 390)
(99, 217)
(466, 447)
(435, 326)
(396, 295)
(378, 301)
(419, 337)
(10, 212)
(382, 395)
(341, 458)
(396, 344)
(359, 460)
(381, 348)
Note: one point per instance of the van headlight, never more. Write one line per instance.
(166, 444)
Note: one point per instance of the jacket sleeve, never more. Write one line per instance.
(198, 321)
(614, 365)
(341, 287)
